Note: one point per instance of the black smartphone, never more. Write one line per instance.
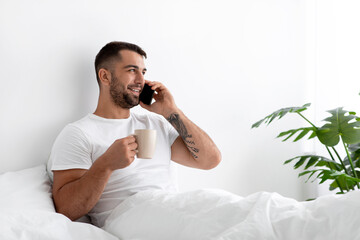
(147, 94)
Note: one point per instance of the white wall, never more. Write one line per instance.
(227, 63)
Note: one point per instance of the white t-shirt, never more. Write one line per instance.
(82, 142)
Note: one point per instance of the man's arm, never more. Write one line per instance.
(193, 148)
(76, 191)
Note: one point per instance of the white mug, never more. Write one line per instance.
(146, 140)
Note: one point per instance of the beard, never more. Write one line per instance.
(120, 96)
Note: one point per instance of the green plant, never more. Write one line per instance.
(341, 128)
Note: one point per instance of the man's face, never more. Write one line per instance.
(127, 79)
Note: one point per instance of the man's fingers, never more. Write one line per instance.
(133, 146)
(156, 85)
(156, 96)
(130, 139)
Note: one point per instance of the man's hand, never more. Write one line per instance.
(164, 102)
(121, 153)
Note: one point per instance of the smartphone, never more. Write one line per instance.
(147, 94)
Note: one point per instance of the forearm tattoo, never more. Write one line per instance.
(180, 127)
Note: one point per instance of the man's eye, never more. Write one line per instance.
(143, 73)
(132, 70)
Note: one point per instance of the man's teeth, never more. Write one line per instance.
(135, 90)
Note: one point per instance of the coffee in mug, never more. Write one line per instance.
(146, 140)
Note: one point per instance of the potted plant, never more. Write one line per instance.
(341, 129)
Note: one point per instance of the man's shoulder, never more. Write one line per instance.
(81, 123)
(78, 127)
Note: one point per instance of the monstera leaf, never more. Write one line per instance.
(345, 182)
(314, 160)
(279, 114)
(341, 123)
(303, 131)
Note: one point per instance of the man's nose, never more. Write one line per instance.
(140, 78)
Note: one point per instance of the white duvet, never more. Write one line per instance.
(216, 214)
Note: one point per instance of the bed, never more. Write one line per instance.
(27, 212)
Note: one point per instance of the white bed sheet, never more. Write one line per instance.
(46, 225)
(217, 214)
(27, 211)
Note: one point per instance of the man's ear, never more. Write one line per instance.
(105, 76)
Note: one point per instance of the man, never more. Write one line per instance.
(93, 161)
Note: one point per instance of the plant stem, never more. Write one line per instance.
(307, 120)
(337, 181)
(351, 163)
(341, 161)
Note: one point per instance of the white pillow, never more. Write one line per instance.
(26, 189)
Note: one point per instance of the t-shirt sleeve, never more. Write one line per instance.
(172, 133)
(71, 150)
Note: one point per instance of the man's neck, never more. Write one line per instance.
(112, 112)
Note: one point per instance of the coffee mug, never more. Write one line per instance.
(146, 140)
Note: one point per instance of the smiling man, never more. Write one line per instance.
(93, 162)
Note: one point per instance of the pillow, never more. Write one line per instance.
(26, 189)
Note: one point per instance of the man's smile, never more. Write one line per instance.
(135, 90)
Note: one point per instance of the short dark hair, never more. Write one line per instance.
(111, 52)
